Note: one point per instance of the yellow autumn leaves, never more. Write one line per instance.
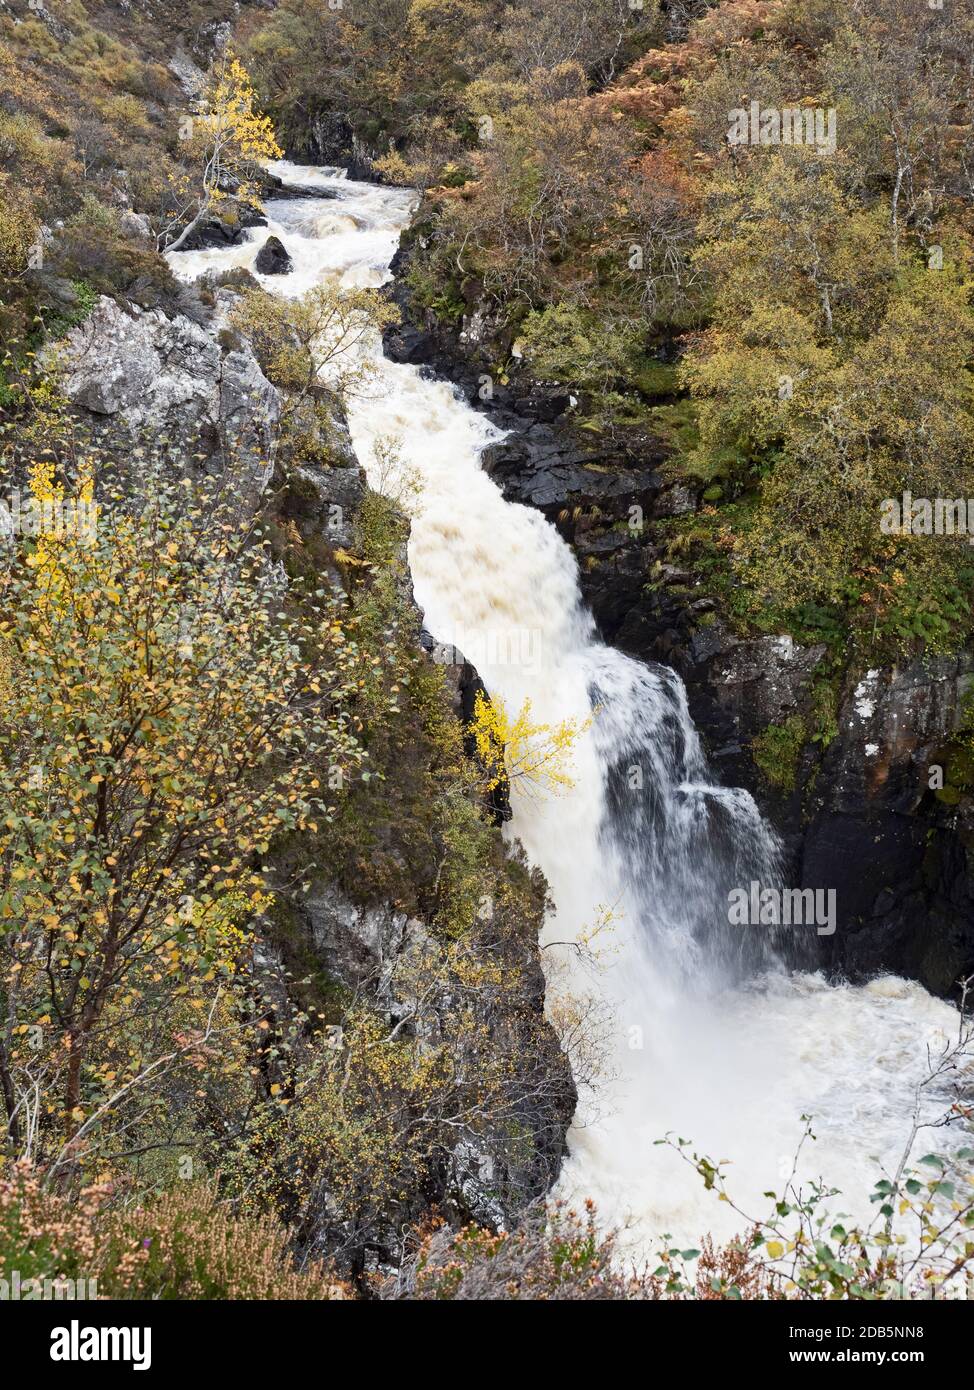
(517, 749)
(59, 521)
(232, 129)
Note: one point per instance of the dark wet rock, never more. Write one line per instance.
(552, 469)
(275, 187)
(753, 683)
(407, 343)
(272, 258)
(893, 825)
(218, 231)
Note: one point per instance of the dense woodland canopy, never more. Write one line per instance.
(793, 323)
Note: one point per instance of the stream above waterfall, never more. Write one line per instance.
(706, 1034)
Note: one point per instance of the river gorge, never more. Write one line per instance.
(709, 1031)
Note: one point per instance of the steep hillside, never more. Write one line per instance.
(289, 959)
(740, 356)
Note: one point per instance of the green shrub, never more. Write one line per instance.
(568, 343)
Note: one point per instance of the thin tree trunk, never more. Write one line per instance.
(189, 228)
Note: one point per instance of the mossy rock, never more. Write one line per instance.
(654, 378)
(778, 750)
(960, 766)
(949, 795)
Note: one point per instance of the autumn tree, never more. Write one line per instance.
(165, 711)
(226, 142)
(370, 70)
(18, 230)
(832, 377)
(567, 342)
(547, 169)
(902, 80)
(516, 748)
(325, 338)
(600, 35)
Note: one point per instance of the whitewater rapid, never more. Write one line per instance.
(703, 1034)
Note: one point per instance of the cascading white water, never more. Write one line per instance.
(709, 1037)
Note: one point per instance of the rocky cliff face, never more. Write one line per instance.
(864, 809)
(394, 959)
(154, 377)
(891, 822)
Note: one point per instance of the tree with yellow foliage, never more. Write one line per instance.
(514, 748)
(53, 515)
(163, 715)
(227, 141)
(18, 230)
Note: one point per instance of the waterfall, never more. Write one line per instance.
(678, 842)
(705, 1033)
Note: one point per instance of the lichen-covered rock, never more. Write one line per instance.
(165, 379)
(136, 227)
(891, 725)
(329, 499)
(402, 968)
(190, 77)
(757, 682)
(356, 944)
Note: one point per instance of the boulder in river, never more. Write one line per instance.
(272, 258)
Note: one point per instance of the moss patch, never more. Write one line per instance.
(778, 749)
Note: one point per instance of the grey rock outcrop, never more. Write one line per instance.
(171, 379)
(190, 77)
(399, 965)
(357, 945)
(136, 227)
